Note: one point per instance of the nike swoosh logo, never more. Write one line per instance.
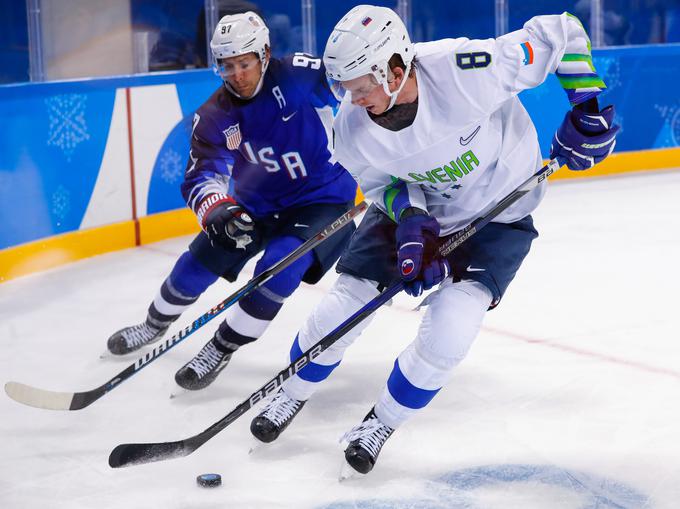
(470, 268)
(286, 119)
(298, 225)
(465, 141)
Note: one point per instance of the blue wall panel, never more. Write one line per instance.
(168, 171)
(51, 148)
(169, 168)
(641, 83)
(53, 135)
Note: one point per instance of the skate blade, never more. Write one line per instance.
(347, 473)
(108, 356)
(255, 446)
(179, 393)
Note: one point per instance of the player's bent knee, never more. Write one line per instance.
(347, 295)
(190, 277)
(287, 281)
(452, 323)
(436, 362)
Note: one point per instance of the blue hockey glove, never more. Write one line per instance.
(419, 263)
(225, 222)
(584, 138)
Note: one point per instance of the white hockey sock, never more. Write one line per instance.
(347, 296)
(450, 325)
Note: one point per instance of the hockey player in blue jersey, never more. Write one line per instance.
(436, 136)
(260, 177)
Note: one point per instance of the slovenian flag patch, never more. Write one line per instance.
(528, 53)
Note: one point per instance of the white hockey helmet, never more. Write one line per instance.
(239, 34)
(362, 43)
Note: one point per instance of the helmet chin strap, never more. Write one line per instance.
(393, 95)
(257, 88)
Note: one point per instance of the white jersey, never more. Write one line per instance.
(472, 142)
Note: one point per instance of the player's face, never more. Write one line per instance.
(368, 93)
(242, 72)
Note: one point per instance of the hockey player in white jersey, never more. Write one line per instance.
(436, 136)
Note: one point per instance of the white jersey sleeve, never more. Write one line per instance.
(490, 71)
(552, 44)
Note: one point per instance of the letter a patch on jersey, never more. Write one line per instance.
(233, 135)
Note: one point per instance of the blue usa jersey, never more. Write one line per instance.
(274, 148)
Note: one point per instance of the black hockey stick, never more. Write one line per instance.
(129, 454)
(52, 400)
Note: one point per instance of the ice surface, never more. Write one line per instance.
(569, 398)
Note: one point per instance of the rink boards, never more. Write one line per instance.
(94, 165)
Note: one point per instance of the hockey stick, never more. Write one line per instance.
(129, 454)
(52, 400)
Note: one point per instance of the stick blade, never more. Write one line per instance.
(124, 455)
(39, 398)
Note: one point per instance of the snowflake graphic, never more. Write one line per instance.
(171, 166)
(61, 203)
(671, 114)
(67, 122)
(675, 127)
(620, 121)
(611, 69)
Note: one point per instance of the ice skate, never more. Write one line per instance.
(347, 473)
(365, 442)
(254, 446)
(178, 393)
(133, 338)
(202, 370)
(276, 417)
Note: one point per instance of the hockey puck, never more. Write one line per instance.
(209, 480)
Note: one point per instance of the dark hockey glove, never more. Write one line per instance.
(225, 222)
(585, 137)
(419, 263)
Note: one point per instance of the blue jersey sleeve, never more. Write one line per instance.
(210, 161)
